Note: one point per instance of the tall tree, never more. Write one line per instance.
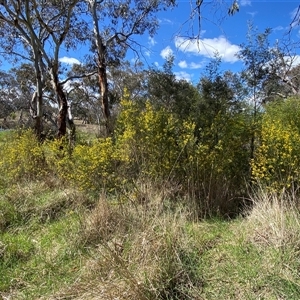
(35, 31)
(219, 101)
(115, 24)
(165, 90)
(21, 39)
(283, 73)
(8, 94)
(256, 57)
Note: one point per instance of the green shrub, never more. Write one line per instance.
(277, 158)
(164, 148)
(155, 140)
(22, 157)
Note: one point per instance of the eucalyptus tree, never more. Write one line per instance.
(256, 56)
(83, 95)
(115, 26)
(127, 77)
(35, 31)
(19, 41)
(8, 94)
(283, 73)
(218, 102)
(270, 70)
(165, 90)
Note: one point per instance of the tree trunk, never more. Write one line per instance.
(101, 63)
(72, 126)
(36, 113)
(63, 111)
(104, 94)
(64, 116)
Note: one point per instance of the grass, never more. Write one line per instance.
(59, 243)
(38, 235)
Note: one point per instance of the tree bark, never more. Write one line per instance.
(101, 64)
(64, 109)
(104, 93)
(36, 112)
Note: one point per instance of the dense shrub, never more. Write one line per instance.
(156, 141)
(165, 148)
(277, 159)
(209, 168)
(22, 157)
(97, 165)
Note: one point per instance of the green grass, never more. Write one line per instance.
(81, 251)
(57, 242)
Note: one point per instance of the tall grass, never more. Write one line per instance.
(142, 240)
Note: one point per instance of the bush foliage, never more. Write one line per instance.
(22, 157)
(277, 159)
(209, 166)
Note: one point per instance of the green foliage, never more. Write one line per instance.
(155, 140)
(162, 146)
(21, 157)
(8, 214)
(277, 159)
(165, 90)
(209, 164)
(95, 166)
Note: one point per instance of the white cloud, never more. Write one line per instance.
(166, 52)
(148, 53)
(196, 66)
(69, 60)
(156, 64)
(182, 64)
(166, 21)
(208, 47)
(245, 2)
(278, 28)
(252, 13)
(292, 61)
(293, 13)
(183, 75)
(151, 41)
(202, 32)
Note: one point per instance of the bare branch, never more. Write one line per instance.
(78, 77)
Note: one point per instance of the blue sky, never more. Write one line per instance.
(214, 35)
(225, 37)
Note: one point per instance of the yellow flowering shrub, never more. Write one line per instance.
(277, 159)
(220, 165)
(97, 166)
(87, 166)
(155, 140)
(22, 157)
(58, 157)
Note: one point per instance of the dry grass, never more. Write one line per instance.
(139, 245)
(274, 220)
(137, 252)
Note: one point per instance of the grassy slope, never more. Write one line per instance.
(61, 244)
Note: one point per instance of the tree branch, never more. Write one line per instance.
(78, 77)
